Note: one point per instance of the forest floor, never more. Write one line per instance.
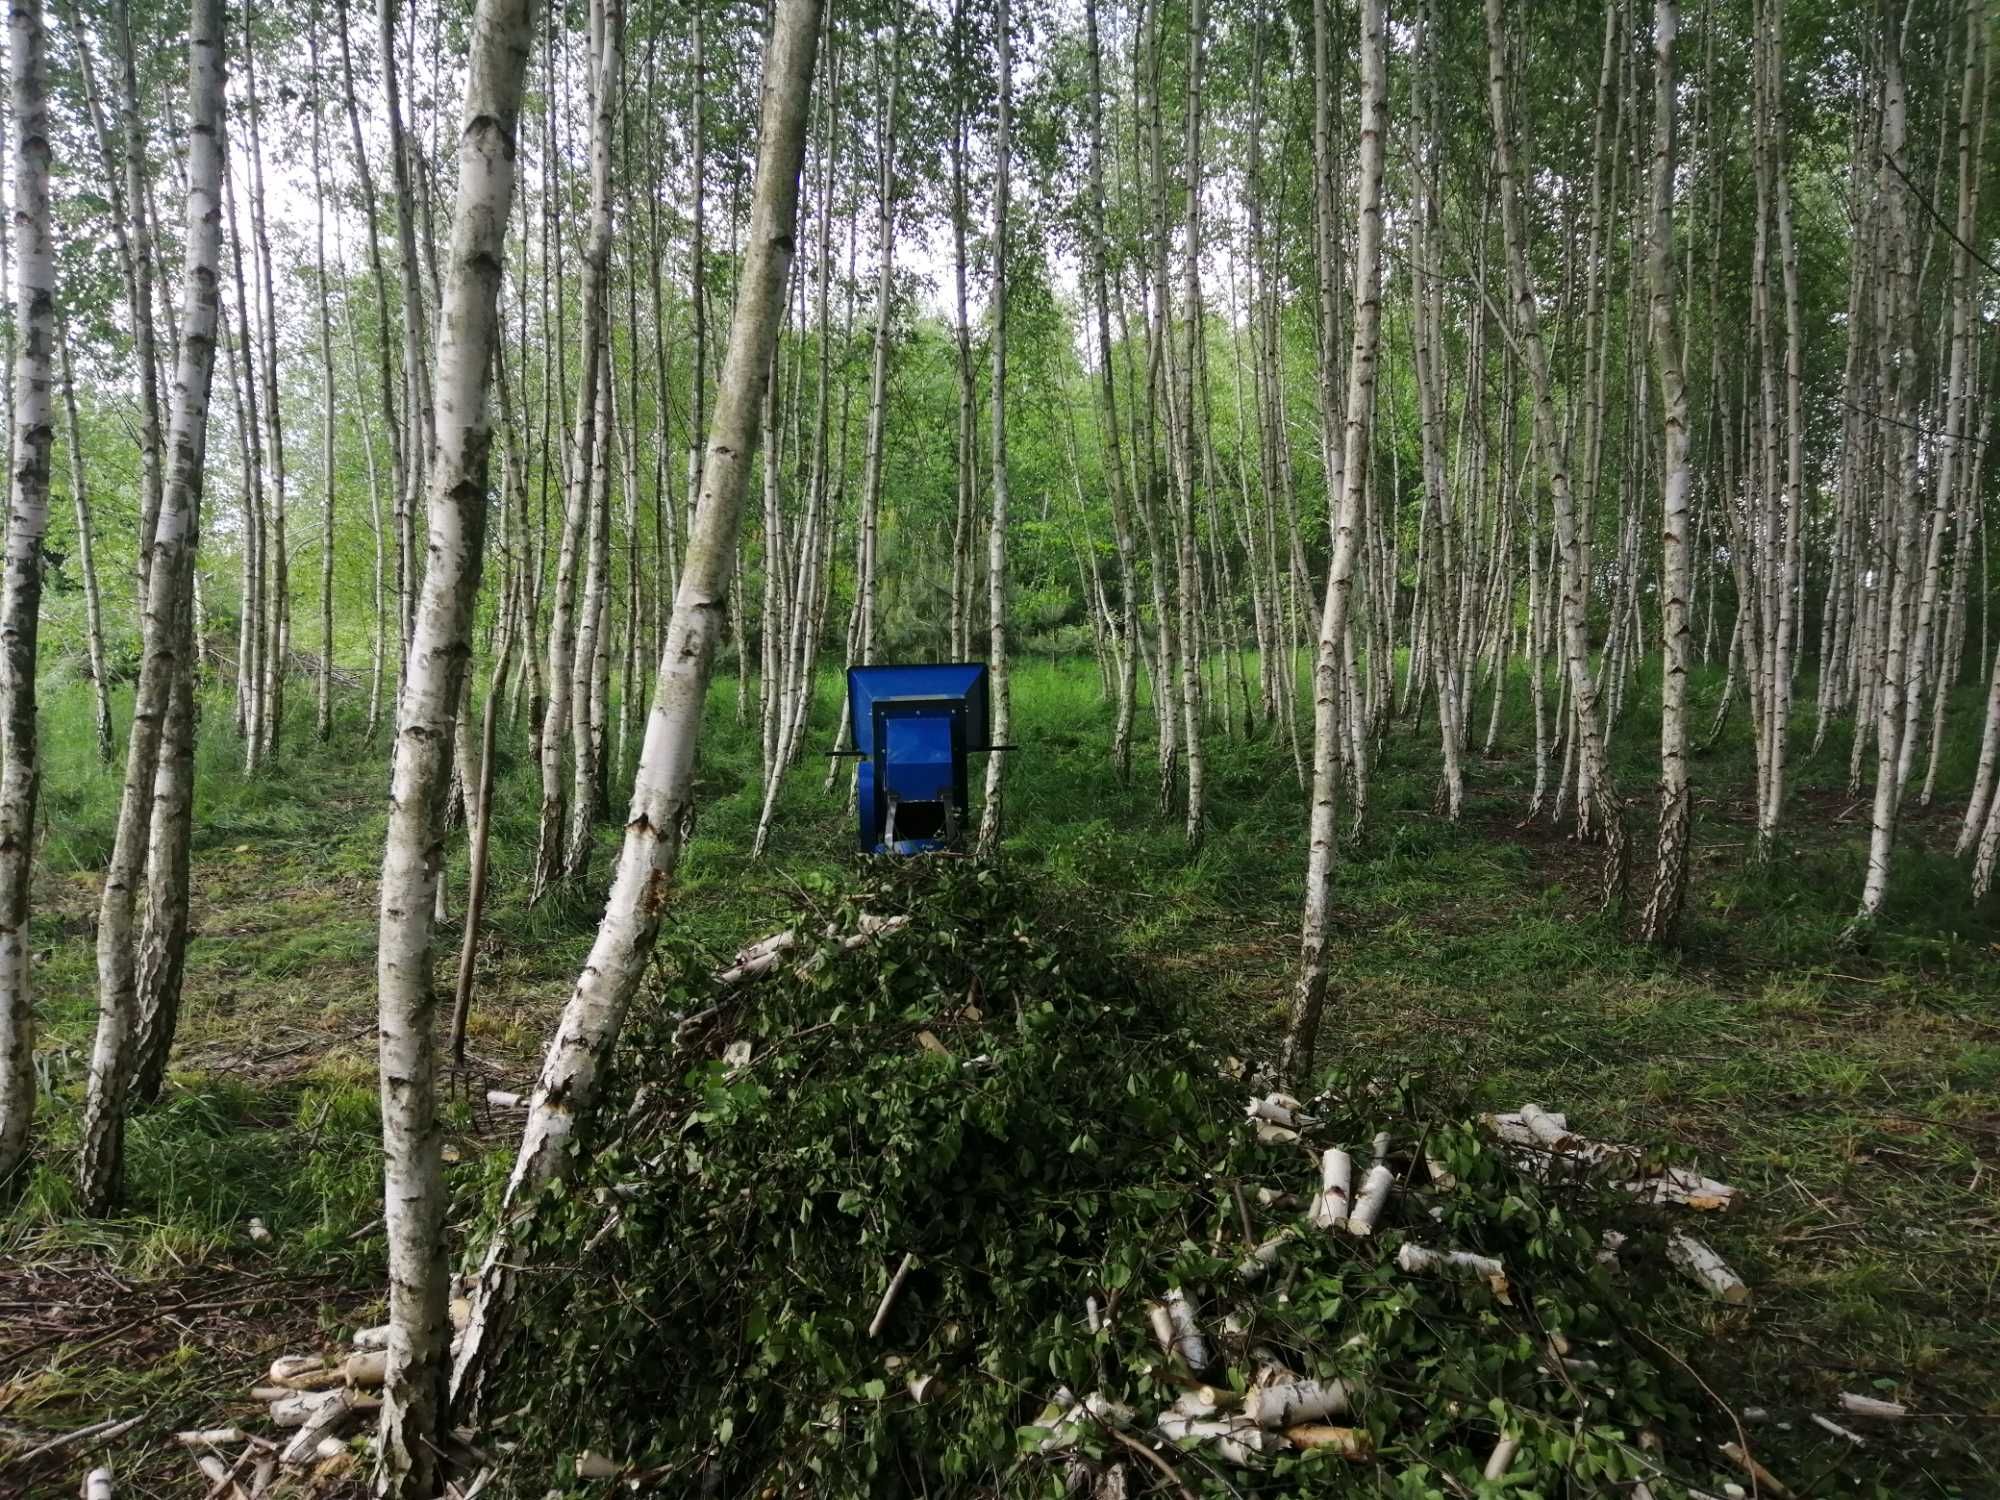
(1853, 1096)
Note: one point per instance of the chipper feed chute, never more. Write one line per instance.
(914, 729)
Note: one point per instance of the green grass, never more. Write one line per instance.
(1854, 1096)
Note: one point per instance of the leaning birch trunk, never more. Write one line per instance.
(21, 599)
(413, 1395)
(1670, 878)
(101, 1154)
(996, 534)
(1302, 1035)
(588, 1028)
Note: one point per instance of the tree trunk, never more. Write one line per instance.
(414, 1197)
(590, 1022)
(996, 534)
(1670, 878)
(101, 1157)
(20, 597)
(1302, 1034)
(86, 561)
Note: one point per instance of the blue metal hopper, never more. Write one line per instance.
(914, 729)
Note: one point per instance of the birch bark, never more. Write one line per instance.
(20, 596)
(414, 1198)
(588, 1028)
(101, 1155)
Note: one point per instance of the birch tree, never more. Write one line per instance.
(588, 1029)
(1309, 998)
(996, 531)
(33, 432)
(100, 1165)
(414, 1198)
(1670, 879)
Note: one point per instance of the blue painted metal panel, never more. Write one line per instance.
(914, 727)
(965, 679)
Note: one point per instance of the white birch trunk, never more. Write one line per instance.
(101, 1157)
(1302, 1035)
(1670, 878)
(412, 1136)
(33, 430)
(588, 1028)
(996, 533)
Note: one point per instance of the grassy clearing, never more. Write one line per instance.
(1856, 1097)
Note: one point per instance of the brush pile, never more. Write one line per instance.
(963, 1209)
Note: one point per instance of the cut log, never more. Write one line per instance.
(505, 1099)
(97, 1485)
(1871, 1407)
(297, 1408)
(1827, 1424)
(1374, 1198)
(1501, 1459)
(326, 1422)
(1418, 1260)
(1287, 1403)
(367, 1368)
(1707, 1269)
(1767, 1482)
(212, 1437)
(1354, 1443)
(1275, 1135)
(1234, 1439)
(1336, 1189)
(372, 1338)
(889, 1295)
(1258, 1262)
(1188, 1340)
(591, 1465)
(1550, 1131)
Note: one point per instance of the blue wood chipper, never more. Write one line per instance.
(914, 729)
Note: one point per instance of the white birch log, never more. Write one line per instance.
(300, 1407)
(289, 1369)
(1547, 1129)
(1501, 1459)
(889, 1295)
(1275, 1135)
(372, 1338)
(1188, 1340)
(1373, 1199)
(97, 1485)
(366, 1368)
(212, 1437)
(1234, 1439)
(324, 1422)
(1827, 1424)
(1419, 1261)
(1872, 1407)
(1258, 1262)
(1707, 1269)
(1336, 1189)
(1287, 1402)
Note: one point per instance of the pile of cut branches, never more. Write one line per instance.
(960, 1208)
